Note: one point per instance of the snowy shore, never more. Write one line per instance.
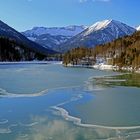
(103, 66)
(96, 66)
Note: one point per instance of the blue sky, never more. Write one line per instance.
(24, 14)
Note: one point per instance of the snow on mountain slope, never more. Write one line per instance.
(138, 28)
(54, 36)
(99, 33)
(97, 26)
(112, 24)
(54, 31)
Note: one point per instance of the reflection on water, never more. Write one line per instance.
(61, 130)
(57, 129)
(50, 102)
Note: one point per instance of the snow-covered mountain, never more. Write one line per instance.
(138, 28)
(53, 37)
(54, 31)
(99, 33)
(8, 32)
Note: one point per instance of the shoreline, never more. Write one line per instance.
(5, 94)
(29, 62)
(104, 67)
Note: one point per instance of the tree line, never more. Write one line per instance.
(123, 52)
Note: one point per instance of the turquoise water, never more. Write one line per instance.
(51, 102)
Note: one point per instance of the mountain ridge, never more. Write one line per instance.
(64, 31)
(11, 33)
(16, 47)
(74, 36)
(99, 33)
(53, 37)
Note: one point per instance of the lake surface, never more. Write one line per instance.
(51, 102)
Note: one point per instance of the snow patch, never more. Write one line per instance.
(54, 31)
(97, 26)
(138, 28)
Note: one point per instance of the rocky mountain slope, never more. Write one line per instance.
(98, 33)
(53, 37)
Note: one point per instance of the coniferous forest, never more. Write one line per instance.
(10, 50)
(123, 52)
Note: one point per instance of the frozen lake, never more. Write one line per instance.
(51, 102)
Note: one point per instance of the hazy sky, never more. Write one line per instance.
(24, 14)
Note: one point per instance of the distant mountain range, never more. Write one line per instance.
(63, 39)
(10, 33)
(53, 37)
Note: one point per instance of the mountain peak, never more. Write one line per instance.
(99, 33)
(100, 25)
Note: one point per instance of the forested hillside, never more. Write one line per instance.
(123, 52)
(10, 50)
